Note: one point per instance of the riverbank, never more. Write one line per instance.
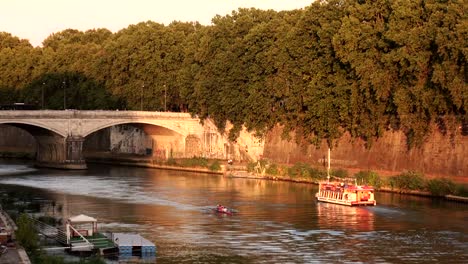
(247, 175)
(240, 171)
(148, 162)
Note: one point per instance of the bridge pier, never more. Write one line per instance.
(54, 151)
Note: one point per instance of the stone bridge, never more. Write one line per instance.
(60, 134)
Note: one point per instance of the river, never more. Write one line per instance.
(277, 222)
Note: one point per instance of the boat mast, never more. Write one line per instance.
(328, 169)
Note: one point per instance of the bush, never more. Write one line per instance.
(272, 169)
(26, 235)
(171, 162)
(195, 162)
(251, 166)
(407, 181)
(306, 171)
(258, 167)
(215, 166)
(42, 258)
(317, 174)
(461, 190)
(340, 173)
(92, 260)
(440, 187)
(370, 178)
(299, 170)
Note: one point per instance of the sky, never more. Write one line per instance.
(35, 20)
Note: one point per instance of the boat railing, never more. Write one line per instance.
(82, 237)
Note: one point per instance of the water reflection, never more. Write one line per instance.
(333, 216)
(276, 222)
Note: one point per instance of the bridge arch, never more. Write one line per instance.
(129, 122)
(156, 139)
(53, 148)
(23, 125)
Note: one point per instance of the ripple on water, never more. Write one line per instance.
(276, 223)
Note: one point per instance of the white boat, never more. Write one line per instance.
(346, 194)
(343, 192)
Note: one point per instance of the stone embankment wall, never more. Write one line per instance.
(439, 156)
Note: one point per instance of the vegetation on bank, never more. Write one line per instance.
(17, 204)
(335, 66)
(406, 181)
(195, 162)
(28, 238)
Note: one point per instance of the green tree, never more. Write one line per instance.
(26, 235)
(72, 90)
(17, 58)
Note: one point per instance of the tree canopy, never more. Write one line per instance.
(356, 66)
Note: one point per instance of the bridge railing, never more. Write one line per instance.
(92, 114)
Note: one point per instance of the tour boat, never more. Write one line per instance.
(343, 192)
(346, 194)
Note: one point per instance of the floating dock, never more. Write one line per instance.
(133, 244)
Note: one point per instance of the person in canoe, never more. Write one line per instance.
(223, 209)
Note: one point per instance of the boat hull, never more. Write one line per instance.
(344, 202)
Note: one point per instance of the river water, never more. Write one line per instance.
(276, 222)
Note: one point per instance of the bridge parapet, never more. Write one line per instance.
(8, 114)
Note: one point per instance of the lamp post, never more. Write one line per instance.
(141, 97)
(64, 97)
(165, 109)
(42, 100)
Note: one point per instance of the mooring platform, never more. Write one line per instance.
(131, 244)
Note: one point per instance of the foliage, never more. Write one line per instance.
(407, 181)
(171, 161)
(361, 67)
(69, 90)
(340, 173)
(369, 178)
(195, 162)
(272, 169)
(92, 260)
(43, 258)
(306, 171)
(461, 190)
(26, 235)
(440, 187)
(251, 166)
(215, 166)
